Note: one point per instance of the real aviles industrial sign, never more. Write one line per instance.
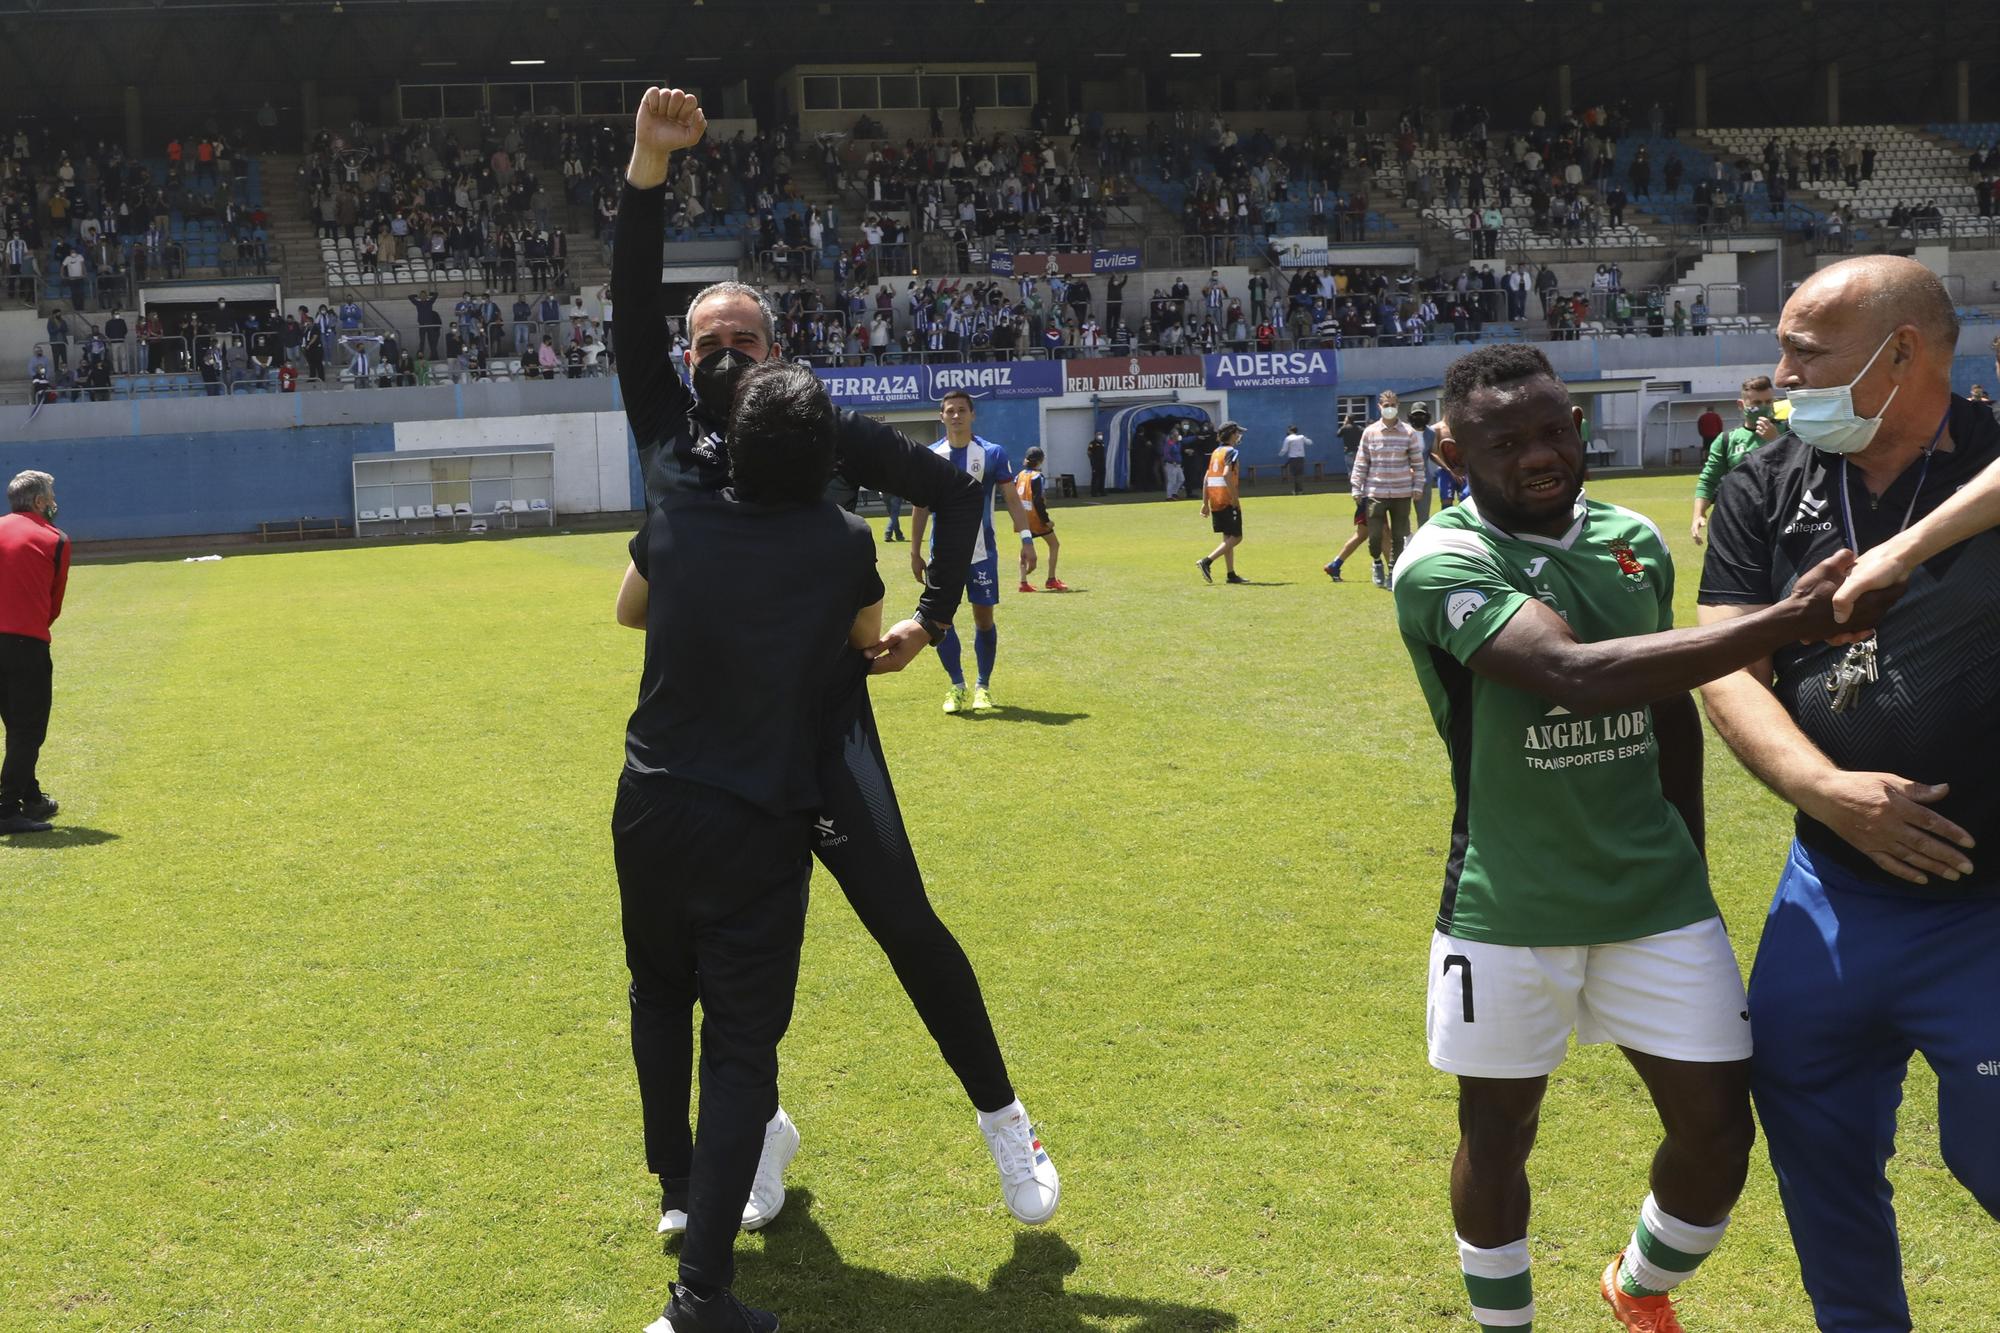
(871, 387)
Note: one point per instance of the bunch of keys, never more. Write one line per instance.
(1844, 682)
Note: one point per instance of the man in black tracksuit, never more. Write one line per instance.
(713, 828)
(683, 448)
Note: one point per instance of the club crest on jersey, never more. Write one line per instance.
(1628, 562)
(1460, 606)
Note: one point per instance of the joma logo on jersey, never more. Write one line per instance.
(1585, 731)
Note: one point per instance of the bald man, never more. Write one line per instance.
(1883, 934)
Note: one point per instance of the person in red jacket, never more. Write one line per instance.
(34, 570)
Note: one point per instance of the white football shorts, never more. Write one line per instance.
(1507, 1011)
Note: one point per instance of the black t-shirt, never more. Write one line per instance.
(746, 642)
(679, 451)
(1934, 713)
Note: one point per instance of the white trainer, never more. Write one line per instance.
(767, 1191)
(673, 1222)
(1028, 1179)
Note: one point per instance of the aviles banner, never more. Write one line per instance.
(1068, 263)
(1111, 374)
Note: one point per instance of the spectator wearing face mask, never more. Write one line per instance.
(1387, 472)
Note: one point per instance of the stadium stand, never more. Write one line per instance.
(1901, 181)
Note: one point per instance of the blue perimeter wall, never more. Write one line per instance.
(129, 486)
(124, 487)
(1265, 415)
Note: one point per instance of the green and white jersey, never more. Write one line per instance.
(1562, 835)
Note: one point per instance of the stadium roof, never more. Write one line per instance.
(1763, 55)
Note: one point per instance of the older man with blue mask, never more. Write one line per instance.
(1882, 934)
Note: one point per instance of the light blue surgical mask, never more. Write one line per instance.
(1825, 418)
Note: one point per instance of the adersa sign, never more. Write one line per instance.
(1125, 374)
(1272, 370)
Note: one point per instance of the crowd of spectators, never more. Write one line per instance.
(1561, 172)
(1239, 183)
(1058, 316)
(242, 348)
(1034, 189)
(499, 206)
(508, 198)
(83, 222)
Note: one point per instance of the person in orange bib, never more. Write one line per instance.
(1028, 485)
(1221, 504)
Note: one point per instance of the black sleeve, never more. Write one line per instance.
(878, 457)
(639, 549)
(656, 402)
(1737, 569)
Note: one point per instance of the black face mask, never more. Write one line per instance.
(715, 379)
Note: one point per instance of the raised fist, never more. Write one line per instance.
(668, 121)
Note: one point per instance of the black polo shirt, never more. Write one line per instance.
(1934, 714)
(746, 641)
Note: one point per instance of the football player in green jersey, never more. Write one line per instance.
(1576, 893)
(1760, 427)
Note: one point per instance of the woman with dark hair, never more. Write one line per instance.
(713, 828)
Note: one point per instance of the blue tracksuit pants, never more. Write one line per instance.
(1850, 981)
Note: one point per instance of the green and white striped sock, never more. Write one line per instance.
(1497, 1281)
(1664, 1251)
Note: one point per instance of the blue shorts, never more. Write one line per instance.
(982, 582)
(1448, 489)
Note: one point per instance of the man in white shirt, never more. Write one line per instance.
(1387, 472)
(1293, 451)
(73, 272)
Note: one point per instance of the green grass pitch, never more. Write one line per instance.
(313, 1014)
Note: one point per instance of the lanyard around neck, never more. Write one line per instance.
(1847, 511)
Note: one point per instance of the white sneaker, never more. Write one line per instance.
(1028, 1178)
(767, 1191)
(673, 1222)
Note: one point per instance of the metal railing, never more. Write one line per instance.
(115, 289)
(1973, 233)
